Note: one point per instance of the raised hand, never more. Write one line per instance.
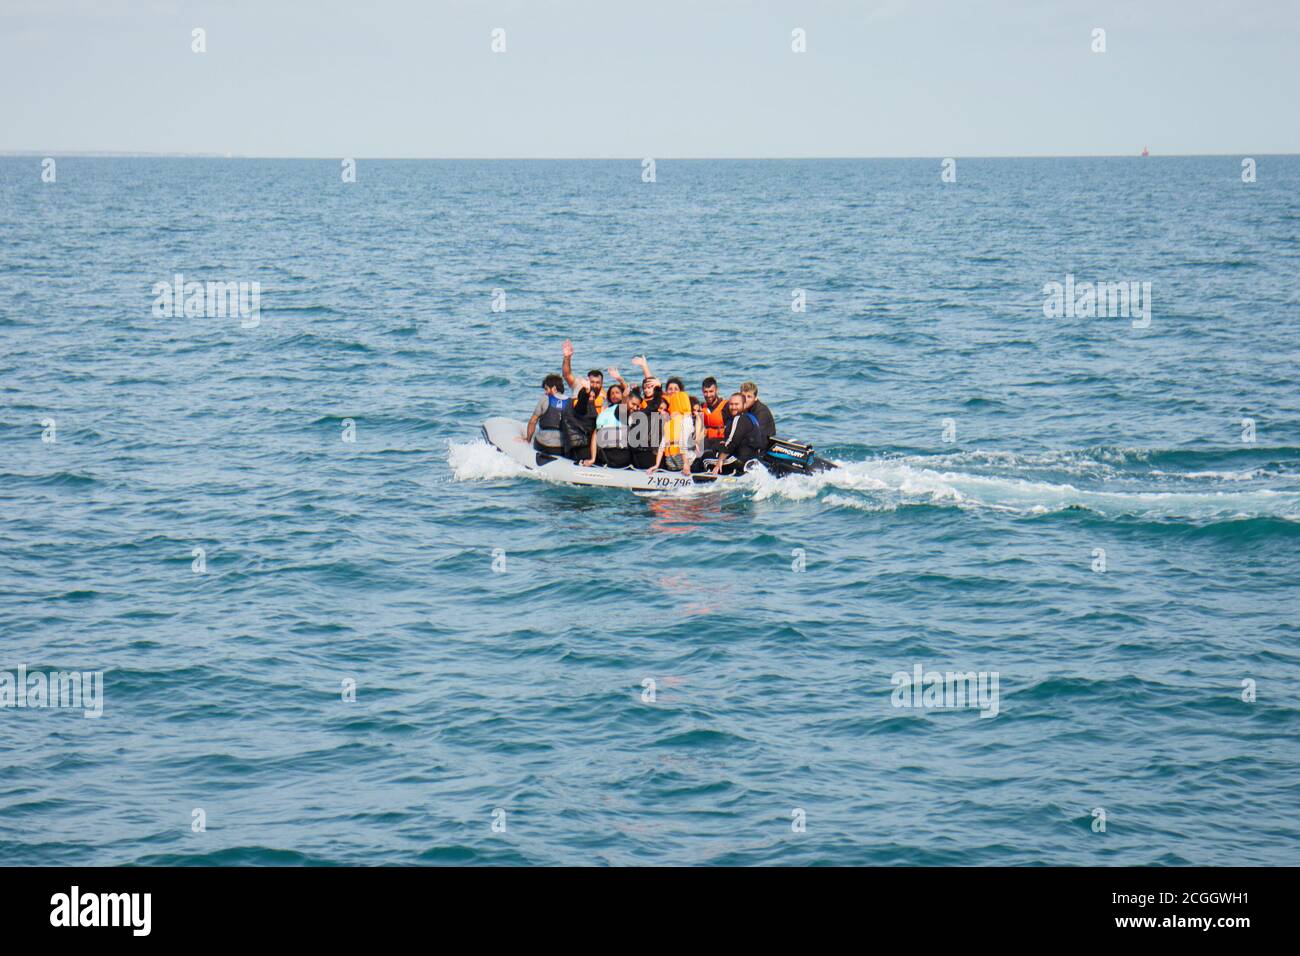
(567, 349)
(641, 361)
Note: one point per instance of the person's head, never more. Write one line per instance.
(615, 394)
(553, 385)
(674, 386)
(634, 400)
(737, 404)
(649, 386)
(710, 388)
(749, 391)
(695, 405)
(595, 380)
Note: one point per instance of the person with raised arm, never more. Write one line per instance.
(594, 385)
(580, 413)
(651, 393)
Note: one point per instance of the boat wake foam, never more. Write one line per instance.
(891, 483)
(479, 461)
(887, 484)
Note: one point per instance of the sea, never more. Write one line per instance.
(1043, 613)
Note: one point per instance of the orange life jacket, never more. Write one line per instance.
(679, 407)
(715, 425)
(599, 401)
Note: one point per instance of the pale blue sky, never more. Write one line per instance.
(662, 78)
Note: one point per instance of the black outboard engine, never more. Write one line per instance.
(784, 457)
(781, 458)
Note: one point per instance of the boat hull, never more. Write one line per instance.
(508, 436)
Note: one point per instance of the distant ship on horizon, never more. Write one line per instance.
(1145, 151)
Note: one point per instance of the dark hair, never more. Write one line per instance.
(610, 393)
(678, 382)
(598, 373)
(635, 390)
(709, 382)
(553, 381)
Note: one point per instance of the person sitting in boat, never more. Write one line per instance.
(697, 429)
(713, 413)
(643, 431)
(594, 385)
(578, 419)
(544, 426)
(744, 441)
(766, 423)
(577, 423)
(609, 440)
(676, 446)
(652, 395)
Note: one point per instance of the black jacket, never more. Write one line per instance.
(766, 423)
(579, 421)
(642, 431)
(744, 440)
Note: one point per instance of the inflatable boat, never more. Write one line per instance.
(781, 458)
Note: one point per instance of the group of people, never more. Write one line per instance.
(650, 426)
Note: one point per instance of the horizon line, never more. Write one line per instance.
(140, 154)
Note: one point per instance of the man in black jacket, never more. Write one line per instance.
(744, 441)
(766, 423)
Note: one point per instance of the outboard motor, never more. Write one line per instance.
(785, 455)
(792, 458)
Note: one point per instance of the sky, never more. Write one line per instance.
(658, 78)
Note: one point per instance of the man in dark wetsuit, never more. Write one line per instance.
(766, 423)
(744, 441)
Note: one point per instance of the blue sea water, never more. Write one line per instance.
(501, 630)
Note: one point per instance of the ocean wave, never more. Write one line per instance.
(1249, 474)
